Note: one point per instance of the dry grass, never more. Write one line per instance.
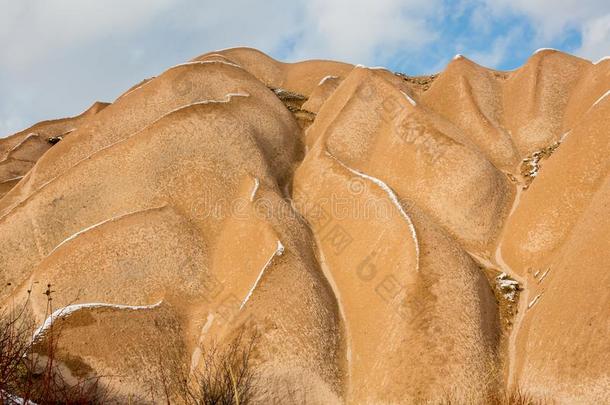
(14, 344)
(226, 377)
(423, 82)
(514, 397)
(29, 371)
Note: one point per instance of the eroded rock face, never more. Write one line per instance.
(19, 152)
(367, 226)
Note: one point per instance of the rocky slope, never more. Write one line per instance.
(391, 239)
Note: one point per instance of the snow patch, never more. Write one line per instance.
(279, 250)
(324, 79)
(202, 62)
(28, 136)
(10, 399)
(543, 275)
(507, 283)
(601, 98)
(533, 162)
(65, 311)
(75, 235)
(508, 286)
(199, 62)
(534, 301)
(196, 356)
(409, 99)
(458, 56)
(232, 48)
(12, 179)
(564, 136)
(254, 189)
(605, 58)
(215, 54)
(392, 197)
(207, 326)
(227, 98)
(544, 49)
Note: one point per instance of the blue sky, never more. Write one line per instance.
(59, 56)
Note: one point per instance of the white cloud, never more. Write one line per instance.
(215, 25)
(58, 56)
(31, 30)
(596, 38)
(550, 18)
(10, 123)
(553, 19)
(499, 50)
(356, 30)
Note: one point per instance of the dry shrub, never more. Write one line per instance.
(513, 397)
(227, 376)
(30, 371)
(14, 344)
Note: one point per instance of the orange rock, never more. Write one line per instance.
(390, 239)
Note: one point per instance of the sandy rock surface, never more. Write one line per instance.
(388, 239)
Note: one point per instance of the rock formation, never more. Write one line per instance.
(390, 239)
